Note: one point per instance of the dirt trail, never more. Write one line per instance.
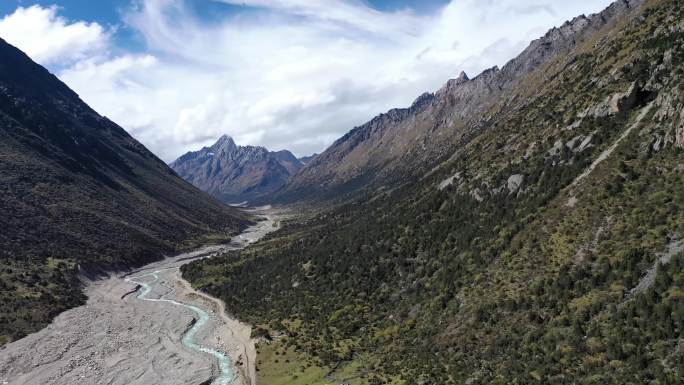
(114, 340)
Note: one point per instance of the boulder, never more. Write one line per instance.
(514, 182)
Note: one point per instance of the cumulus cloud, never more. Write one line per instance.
(49, 38)
(296, 74)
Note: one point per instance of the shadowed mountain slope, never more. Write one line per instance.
(77, 193)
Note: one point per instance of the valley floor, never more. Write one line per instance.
(117, 338)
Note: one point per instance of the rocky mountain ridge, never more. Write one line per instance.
(408, 142)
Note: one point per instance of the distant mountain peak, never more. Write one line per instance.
(225, 142)
(235, 173)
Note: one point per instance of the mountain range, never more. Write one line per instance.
(235, 173)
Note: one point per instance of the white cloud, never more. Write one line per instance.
(121, 88)
(345, 14)
(296, 74)
(50, 39)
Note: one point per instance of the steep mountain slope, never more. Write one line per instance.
(405, 143)
(77, 192)
(237, 173)
(546, 249)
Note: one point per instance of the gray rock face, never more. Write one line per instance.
(514, 182)
(679, 132)
(615, 104)
(235, 173)
(556, 149)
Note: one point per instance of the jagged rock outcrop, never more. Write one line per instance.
(235, 173)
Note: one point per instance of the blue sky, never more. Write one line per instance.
(286, 74)
(109, 12)
(104, 11)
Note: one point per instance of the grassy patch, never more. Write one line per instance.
(278, 364)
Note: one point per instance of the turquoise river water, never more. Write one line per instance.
(227, 374)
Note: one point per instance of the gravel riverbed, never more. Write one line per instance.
(114, 341)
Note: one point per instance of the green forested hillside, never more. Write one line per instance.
(548, 249)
